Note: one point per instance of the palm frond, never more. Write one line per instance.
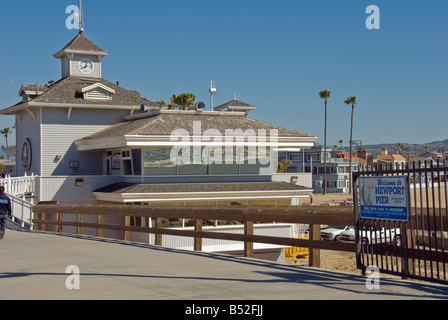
(324, 94)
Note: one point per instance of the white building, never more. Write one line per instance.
(84, 138)
(337, 167)
(83, 133)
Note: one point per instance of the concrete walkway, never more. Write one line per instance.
(33, 265)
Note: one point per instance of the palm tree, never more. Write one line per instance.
(185, 101)
(282, 165)
(325, 94)
(352, 101)
(340, 144)
(5, 132)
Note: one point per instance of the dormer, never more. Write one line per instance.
(81, 57)
(235, 105)
(31, 91)
(97, 91)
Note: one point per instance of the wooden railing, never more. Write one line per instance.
(314, 216)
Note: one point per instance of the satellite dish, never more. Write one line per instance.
(201, 106)
(143, 108)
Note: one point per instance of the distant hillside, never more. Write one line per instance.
(406, 148)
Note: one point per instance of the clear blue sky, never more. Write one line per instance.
(276, 55)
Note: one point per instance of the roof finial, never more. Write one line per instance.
(81, 29)
(234, 96)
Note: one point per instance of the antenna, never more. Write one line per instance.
(81, 29)
(212, 92)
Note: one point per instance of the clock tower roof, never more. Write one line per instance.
(81, 44)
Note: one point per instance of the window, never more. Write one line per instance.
(295, 157)
(158, 162)
(291, 170)
(282, 156)
(127, 162)
(331, 183)
(162, 161)
(342, 184)
(316, 156)
(97, 95)
(137, 161)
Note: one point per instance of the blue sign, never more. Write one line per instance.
(384, 198)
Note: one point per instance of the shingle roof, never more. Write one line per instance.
(390, 157)
(81, 43)
(66, 91)
(346, 155)
(166, 123)
(233, 103)
(130, 188)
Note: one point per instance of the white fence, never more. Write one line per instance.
(218, 245)
(20, 185)
(22, 211)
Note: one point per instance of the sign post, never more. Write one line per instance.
(384, 198)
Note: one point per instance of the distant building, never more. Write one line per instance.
(386, 161)
(440, 157)
(312, 160)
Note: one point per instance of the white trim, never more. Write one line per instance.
(134, 141)
(41, 165)
(156, 111)
(201, 196)
(30, 104)
(96, 85)
(69, 112)
(81, 106)
(72, 52)
(32, 114)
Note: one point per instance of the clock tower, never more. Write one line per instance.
(81, 57)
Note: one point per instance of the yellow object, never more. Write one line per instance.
(292, 253)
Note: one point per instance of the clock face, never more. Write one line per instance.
(85, 66)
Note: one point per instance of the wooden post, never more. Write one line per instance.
(44, 217)
(35, 224)
(197, 241)
(79, 220)
(407, 239)
(127, 223)
(314, 260)
(159, 224)
(248, 246)
(60, 219)
(99, 231)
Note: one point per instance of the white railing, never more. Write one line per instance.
(20, 185)
(217, 245)
(22, 211)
